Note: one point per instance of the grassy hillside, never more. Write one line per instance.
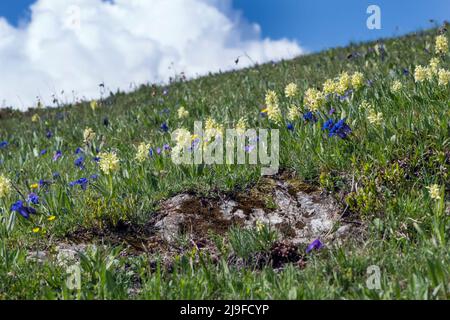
(388, 167)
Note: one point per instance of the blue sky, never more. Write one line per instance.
(69, 46)
(315, 24)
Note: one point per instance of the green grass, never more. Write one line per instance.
(381, 169)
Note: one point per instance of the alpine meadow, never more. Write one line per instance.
(92, 205)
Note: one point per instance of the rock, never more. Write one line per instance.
(300, 214)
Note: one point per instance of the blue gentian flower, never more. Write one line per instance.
(340, 129)
(328, 125)
(94, 177)
(49, 134)
(164, 127)
(315, 245)
(150, 152)
(3, 144)
(290, 127)
(56, 175)
(22, 210)
(78, 150)
(83, 182)
(79, 162)
(43, 183)
(33, 198)
(166, 147)
(309, 116)
(43, 152)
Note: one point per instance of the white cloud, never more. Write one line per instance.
(75, 45)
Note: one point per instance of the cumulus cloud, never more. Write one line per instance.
(73, 46)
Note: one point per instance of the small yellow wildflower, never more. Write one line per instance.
(434, 191)
(142, 152)
(421, 73)
(5, 186)
(242, 125)
(273, 109)
(443, 77)
(51, 218)
(291, 90)
(365, 105)
(183, 137)
(344, 83)
(36, 230)
(441, 44)
(259, 225)
(434, 65)
(35, 118)
(271, 98)
(94, 105)
(34, 186)
(357, 80)
(375, 117)
(182, 113)
(329, 86)
(313, 99)
(396, 86)
(212, 125)
(88, 135)
(293, 113)
(109, 162)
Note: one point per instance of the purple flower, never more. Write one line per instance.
(33, 198)
(315, 245)
(79, 162)
(249, 148)
(94, 177)
(332, 111)
(166, 147)
(58, 154)
(49, 134)
(158, 151)
(43, 152)
(22, 210)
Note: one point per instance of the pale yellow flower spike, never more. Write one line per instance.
(182, 113)
(291, 90)
(109, 162)
(142, 152)
(434, 191)
(443, 77)
(441, 44)
(88, 135)
(5, 186)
